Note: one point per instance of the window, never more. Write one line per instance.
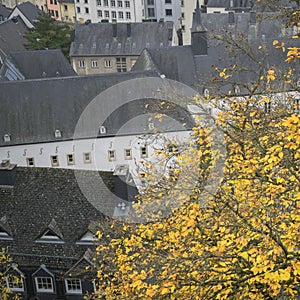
(87, 239)
(128, 153)
(168, 1)
(121, 64)
(102, 130)
(99, 13)
(56, 14)
(87, 157)
(114, 14)
(267, 107)
(86, 1)
(44, 284)
(168, 12)
(296, 105)
(70, 159)
(182, 2)
(127, 4)
(51, 1)
(54, 160)
(4, 235)
(182, 15)
(78, 10)
(94, 63)
(106, 14)
(81, 63)
(15, 283)
(105, 2)
(120, 4)
(128, 15)
(144, 152)
(121, 15)
(98, 2)
(151, 12)
(73, 286)
(113, 3)
(107, 63)
(65, 7)
(150, 2)
(111, 155)
(30, 161)
(6, 138)
(86, 10)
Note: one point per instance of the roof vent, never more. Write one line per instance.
(6, 138)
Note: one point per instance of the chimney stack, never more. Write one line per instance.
(114, 28)
(128, 29)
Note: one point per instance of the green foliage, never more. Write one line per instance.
(48, 34)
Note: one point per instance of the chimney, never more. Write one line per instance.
(114, 28)
(128, 29)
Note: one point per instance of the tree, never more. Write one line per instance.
(5, 263)
(48, 34)
(242, 242)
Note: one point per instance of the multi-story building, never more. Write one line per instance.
(54, 9)
(108, 48)
(67, 10)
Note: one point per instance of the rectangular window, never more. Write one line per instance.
(15, 284)
(56, 14)
(87, 159)
(78, 10)
(54, 160)
(111, 155)
(121, 16)
(151, 12)
(105, 2)
(44, 284)
(99, 13)
(106, 14)
(73, 286)
(169, 12)
(114, 14)
(81, 63)
(65, 7)
(267, 107)
(70, 159)
(86, 10)
(30, 161)
(107, 63)
(86, 1)
(98, 2)
(144, 151)
(51, 1)
(150, 2)
(127, 4)
(121, 64)
(113, 3)
(168, 1)
(120, 4)
(182, 2)
(128, 15)
(94, 64)
(128, 153)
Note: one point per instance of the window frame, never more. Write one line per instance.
(127, 157)
(144, 155)
(42, 290)
(52, 158)
(15, 289)
(69, 162)
(30, 164)
(73, 292)
(87, 161)
(110, 157)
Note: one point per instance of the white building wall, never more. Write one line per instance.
(98, 149)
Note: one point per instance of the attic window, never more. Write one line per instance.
(44, 284)
(102, 130)
(94, 45)
(119, 45)
(15, 284)
(87, 239)
(57, 134)
(107, 45)
(134, 45)
(50, 236)
(4, 235)
(73, 286)
(6, 138)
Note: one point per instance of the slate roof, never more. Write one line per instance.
(42, 195)
(41, 64)
(218, 3)
(31, 110)
(178, 63)
(97, 38)
(29, 10)
(4, 12)
(12, 37)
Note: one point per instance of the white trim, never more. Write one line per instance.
(42, 290)
(70, 291)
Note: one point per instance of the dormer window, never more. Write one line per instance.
(44, 280)
(102, 130)
(4, 235)
(87, 239)
(50, 236)
(57, 134)
(6, 138)
(73, 286)
(15, 279)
